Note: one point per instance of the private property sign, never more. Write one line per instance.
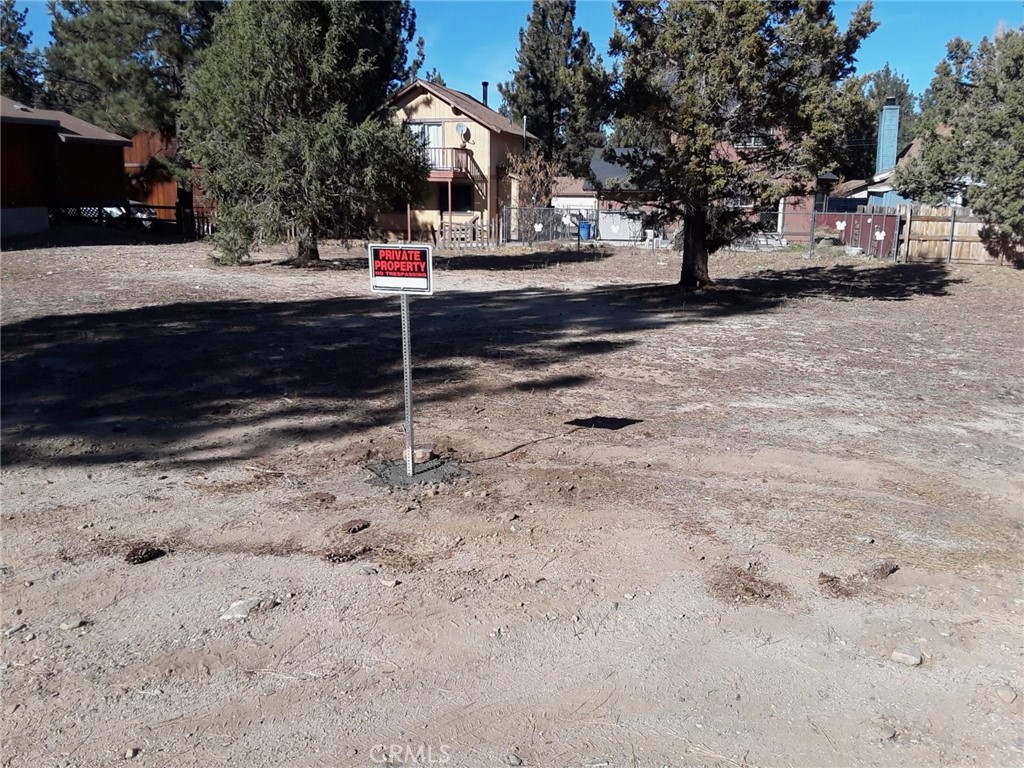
(402, 268)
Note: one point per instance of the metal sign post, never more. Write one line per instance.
(407, 367)
(404, 269)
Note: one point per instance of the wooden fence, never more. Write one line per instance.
(471, 234)
(943, 235)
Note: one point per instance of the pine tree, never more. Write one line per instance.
(560, 86)
(20, 67)
(433, 76)
(938, 174)
(122, 64)
(285, 113)
(995, 151)
(973, 138)
(885, 84)
(741, 99)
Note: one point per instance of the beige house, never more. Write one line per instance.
(468, 146)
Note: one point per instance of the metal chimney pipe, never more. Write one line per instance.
(485, 92)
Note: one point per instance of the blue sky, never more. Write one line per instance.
(474, 40)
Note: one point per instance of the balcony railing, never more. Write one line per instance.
(448, 159)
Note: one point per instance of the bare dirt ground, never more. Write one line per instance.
(702, 586)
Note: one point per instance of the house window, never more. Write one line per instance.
(428, 133)
(462, 197)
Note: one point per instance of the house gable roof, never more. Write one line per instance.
(851, 187)
(913, 149)
(604, 173)
(880, 182)
(570, 186)
(465, 103)
(69, 128)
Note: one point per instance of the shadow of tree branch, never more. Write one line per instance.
(213, 381)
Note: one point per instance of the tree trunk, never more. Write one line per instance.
(695, 250)
(306, 250)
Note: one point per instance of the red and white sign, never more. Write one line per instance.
(401, 268)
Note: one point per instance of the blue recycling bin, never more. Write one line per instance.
(584, 230)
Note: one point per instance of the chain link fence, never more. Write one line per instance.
(528, 226)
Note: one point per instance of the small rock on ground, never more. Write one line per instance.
(1006, 693)
(908, 654)
(421, 455)
(240, 609)
(15, 629)
(355, 526)
(73, 622)
(514, 760)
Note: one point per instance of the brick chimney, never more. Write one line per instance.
(485, 93)
(888, 136)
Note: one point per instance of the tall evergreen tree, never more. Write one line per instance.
(20, 67)
(886, 83)
(973, 138)
(285, 113)
(560, 86)
(938, 175)
(123, 64)
(742, 100)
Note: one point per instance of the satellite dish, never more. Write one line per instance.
(461, 130)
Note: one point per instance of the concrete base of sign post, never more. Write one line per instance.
(392, 474)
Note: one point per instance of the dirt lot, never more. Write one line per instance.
(703, 585)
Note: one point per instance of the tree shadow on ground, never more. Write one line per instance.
(207, 382)
(487, 262)
(885, 282)
(768, 288)
(79, 235)
(521, 261)
(210, 381)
